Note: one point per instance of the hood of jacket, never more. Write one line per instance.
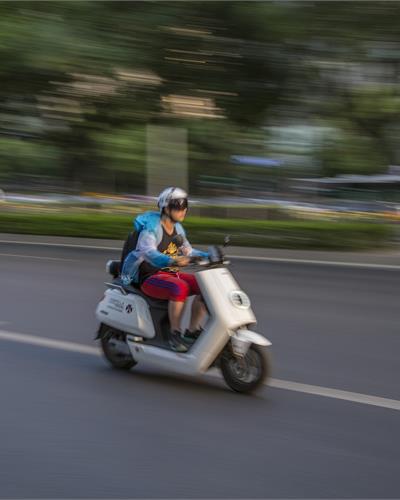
(149, 221)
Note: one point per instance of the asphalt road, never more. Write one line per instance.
(71, 427)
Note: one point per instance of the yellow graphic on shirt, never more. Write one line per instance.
(171, 251)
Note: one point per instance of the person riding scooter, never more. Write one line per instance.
(154, 264)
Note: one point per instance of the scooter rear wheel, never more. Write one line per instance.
(111, 343)
(248, 373)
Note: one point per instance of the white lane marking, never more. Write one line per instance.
(238, 257)
(353, 397)
(35, 257)
(46, 342)
(61, 245)
(320, 262)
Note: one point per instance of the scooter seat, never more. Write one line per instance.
(155, 303)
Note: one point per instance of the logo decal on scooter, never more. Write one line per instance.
(239, 299)
(128, 308)
(116, 305)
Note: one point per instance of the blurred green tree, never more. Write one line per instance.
(88, 76)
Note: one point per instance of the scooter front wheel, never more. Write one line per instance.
(116, 350)
(247, 373)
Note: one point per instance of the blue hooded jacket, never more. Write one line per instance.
(149, 227)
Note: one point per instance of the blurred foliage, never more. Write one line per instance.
(21, 156)
(345, 154)
(123, 155)
(81, 80)
(254, 233)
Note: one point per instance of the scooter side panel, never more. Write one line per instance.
(224, 298)
(129, 313)
(197, 360)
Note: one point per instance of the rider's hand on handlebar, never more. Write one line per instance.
(182, 261)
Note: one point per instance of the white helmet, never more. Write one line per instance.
(170, 195)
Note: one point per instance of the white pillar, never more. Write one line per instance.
(166, 159)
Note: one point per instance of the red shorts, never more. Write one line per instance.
(170, 286)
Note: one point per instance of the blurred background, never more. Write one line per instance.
(277, 111)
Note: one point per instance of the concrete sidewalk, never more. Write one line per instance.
(387, 257)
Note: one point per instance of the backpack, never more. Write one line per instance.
(114, 267)
(129, 245)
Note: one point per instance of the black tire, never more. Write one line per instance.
(248, 373)
(119, 360)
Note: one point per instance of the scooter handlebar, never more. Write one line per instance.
(215, 257)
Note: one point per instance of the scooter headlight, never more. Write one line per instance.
(239, 299)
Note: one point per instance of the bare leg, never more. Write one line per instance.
(198, 313)
(175, 311)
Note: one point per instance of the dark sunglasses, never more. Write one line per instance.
(178, 204)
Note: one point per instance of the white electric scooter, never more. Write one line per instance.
(134, 328)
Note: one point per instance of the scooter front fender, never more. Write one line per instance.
(245, 335)
(242, 340)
